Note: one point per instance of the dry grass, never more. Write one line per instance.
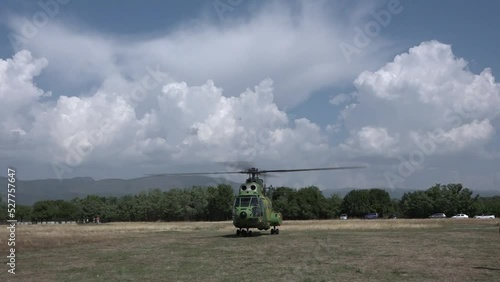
(48, 236)
(359, 224)
(334, 250)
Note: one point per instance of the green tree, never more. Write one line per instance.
(44, 211)
(489, 205)
(380, 202)
(110, 210)
(416, 204)
(66, 211)
(150, 205)
(312, 203)
(357, 203)
(334, 206)
(453, 198)
(90, 207)
(220, 202)
(438, 196)
(174, 205)
(199, 203)
(284, 200)
(396, 207)
(126, 208)
(51, 210)
(3, 209)
(23, 213)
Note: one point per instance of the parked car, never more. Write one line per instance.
(485, 216)
(460, 215)
(438, 215)
(343, 216)
(372, 215)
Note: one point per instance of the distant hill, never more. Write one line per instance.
(398, 192)
(30, 191)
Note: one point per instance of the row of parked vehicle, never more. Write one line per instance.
(462, 215)
(374, 215)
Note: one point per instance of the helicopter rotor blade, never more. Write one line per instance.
(254, 171)
(198, 173)
(311, 169)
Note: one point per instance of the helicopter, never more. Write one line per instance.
(252, 208)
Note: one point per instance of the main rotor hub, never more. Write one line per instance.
(253, 170)
(253, 173)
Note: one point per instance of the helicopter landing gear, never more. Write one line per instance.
(275, 231)
(244, 232)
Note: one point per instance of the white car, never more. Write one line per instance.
(343, 216)
(460, 215)
(485, 216)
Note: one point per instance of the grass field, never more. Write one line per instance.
(333, 250)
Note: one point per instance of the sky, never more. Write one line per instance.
(120, 89)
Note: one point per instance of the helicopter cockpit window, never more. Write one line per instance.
(244, 201)
(256, 208)
(237, 202)
(254, 202)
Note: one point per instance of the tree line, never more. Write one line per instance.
(215, 204)
(451, 199)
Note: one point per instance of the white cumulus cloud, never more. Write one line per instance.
(185, 124)
(423, 91)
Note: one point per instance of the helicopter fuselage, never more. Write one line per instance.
(253, 209)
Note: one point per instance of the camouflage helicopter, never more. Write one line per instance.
(252, 206)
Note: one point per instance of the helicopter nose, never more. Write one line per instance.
(243, 215)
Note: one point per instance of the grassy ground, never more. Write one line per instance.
(353, 250)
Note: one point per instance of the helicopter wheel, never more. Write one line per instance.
(244, 233)
(238, 232)
(277, 231)
(249, 233)
(272, 231)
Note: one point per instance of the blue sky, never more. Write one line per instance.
(82, 65)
